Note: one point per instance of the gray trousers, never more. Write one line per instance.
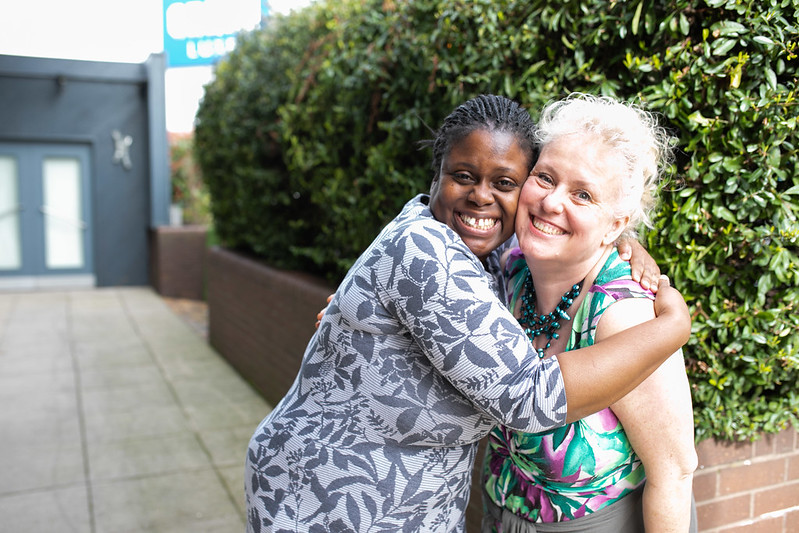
(623, 516)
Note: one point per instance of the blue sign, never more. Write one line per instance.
(199, 32)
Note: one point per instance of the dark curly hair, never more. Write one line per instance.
(488, 112)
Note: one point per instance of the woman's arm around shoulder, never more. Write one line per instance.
(658, 419)
(596, 376)
(439, 291)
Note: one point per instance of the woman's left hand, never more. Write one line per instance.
(644, 269)
(321, 313)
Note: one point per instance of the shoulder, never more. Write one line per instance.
(620, 302)
(417, 222)
(416, 244)
(614, 282)
(416, 210)
(624, 314)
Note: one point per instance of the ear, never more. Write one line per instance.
(615, 230)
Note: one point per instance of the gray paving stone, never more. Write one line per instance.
(169, 453)
(138, 422)
(209, 409)
(127, 399)
(192, 366)
(95, 353)
(62, 509)
(110, 385)
(122, 376)
(49, 463)
(179, 502)
(228, 446)
(35, 359)
(26, 426)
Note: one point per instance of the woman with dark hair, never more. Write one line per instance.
(416, 359)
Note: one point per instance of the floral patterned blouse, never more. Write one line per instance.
(415, 360)
(572, 471)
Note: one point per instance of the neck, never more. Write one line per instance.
(552, 279)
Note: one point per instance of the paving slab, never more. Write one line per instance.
(117, 417)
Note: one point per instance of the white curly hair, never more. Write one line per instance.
(641, 145)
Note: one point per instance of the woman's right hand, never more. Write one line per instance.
(670, 304)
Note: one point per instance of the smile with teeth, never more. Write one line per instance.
(543, 227)
(478, 223)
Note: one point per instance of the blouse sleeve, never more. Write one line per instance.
(435, 286)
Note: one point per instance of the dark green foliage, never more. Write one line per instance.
(239, 146)
(188, 189)
(308, 141)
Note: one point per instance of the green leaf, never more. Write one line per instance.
(722, 46)
(637, 17)
(771, 79)
(730, 27)
(685, 25)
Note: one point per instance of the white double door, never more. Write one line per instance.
(45, 226)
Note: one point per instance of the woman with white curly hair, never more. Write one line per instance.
(627, 468)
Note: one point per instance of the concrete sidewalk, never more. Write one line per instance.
(117, 417)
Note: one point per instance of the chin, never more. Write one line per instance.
(481, 249)
(539, 250)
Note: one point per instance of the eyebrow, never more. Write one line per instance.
(471, 166)
(579, 182)
(555, 173)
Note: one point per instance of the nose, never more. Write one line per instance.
(481, 193)
(552, 202)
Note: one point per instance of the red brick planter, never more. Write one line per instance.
(177, 261)
(749, 487)
(261, 320)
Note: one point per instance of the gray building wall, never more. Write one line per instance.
(83, 102)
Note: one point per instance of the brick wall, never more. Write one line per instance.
(261, 320)
(749, 487)
(177, 261)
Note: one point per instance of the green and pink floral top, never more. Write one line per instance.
(569, 472)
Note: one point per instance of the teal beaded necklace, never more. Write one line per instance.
(546, 324)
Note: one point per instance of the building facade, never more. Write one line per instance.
(84, 171)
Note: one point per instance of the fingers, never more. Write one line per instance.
(670, 302)
(321, 313)
(625, 250)
(651, 281)
(643, 268)
(646, 273)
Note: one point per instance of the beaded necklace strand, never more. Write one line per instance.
(546, 324)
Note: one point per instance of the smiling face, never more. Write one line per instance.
(477, 189)
(566, 208)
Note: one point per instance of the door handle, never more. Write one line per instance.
(66, 220)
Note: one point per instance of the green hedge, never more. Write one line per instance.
(308, 138)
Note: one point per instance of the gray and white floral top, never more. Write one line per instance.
(416, 359)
